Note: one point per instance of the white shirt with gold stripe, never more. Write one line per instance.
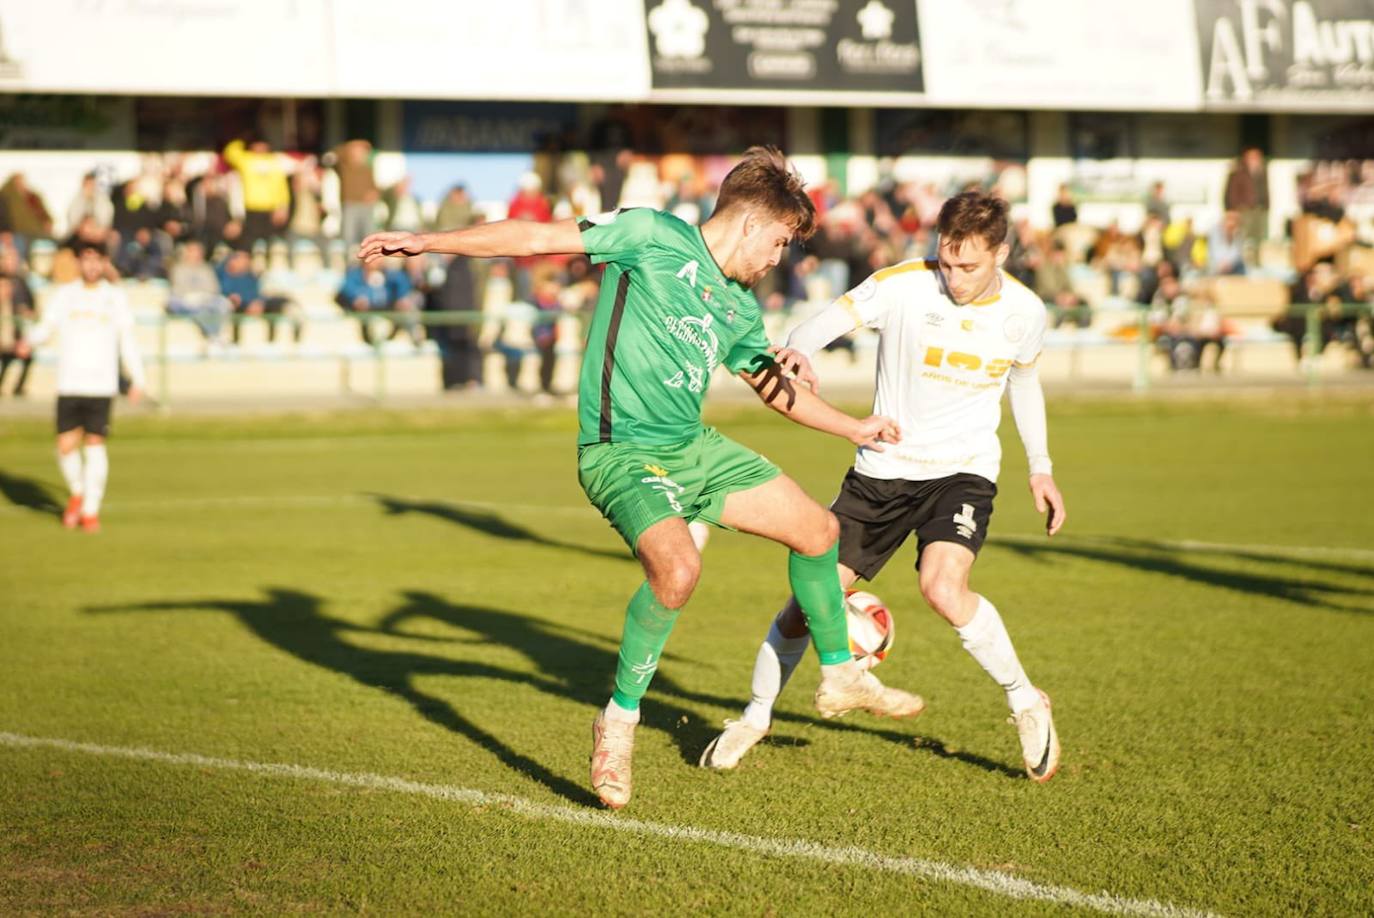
(942, 369)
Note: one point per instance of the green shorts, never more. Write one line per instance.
(635, 486)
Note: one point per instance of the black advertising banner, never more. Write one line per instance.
(1287, 54)
(805, 45)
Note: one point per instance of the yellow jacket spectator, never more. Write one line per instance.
(266, 192)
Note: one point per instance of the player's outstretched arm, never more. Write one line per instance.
(503, 239)
(804, 407)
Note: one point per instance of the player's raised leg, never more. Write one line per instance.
(781, 511)
(672, 565)
(944, 574)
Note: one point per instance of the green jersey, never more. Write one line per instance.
(666, 317)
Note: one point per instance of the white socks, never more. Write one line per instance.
(622, 715)
(778, 657)
(70, 464)
(987, 641)
(97, 471)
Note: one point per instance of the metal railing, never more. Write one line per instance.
(1076, 341)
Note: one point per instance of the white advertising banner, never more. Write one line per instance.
(165, 47)
(1079, 54)
(1296, 55)
(545, 50)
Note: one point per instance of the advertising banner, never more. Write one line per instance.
(1064, 54)
(1292, 55)
(168, 47)
(536, 50)
(803, 46)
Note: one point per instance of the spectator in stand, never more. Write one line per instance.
(1052, 284)
(1156, 205)
(1027, 252)
(403, 210)
(1247, 193)
(1357, 295)
(16, 308)
(241, 287)
(307, 207)
(358, 192)
(28, 216)
(173, 215)
(90, 201)
(1318, 286)
(1065, 211)
(1226, 246)
(384, 287)
(545, 327)
(196, 293)
(212, 215)
(460, 357)
(1185, 326)
(1117, 254)
(143, 256)
(263, 176)
(456, 210)
(529, 203)
(92, 233)
(132, 212)
(1182, 246)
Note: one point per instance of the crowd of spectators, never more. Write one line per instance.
(204, 234)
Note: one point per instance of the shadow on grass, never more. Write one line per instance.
(29, 493)
(489, 523)
(564, 662)
(1309, 587)
(581, 669)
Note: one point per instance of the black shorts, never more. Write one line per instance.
(90, 413)
(876, 515)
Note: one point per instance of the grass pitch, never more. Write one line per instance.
(427, 598)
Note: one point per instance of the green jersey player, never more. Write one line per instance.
(674, 305)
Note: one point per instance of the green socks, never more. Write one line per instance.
(816, 584)
(647, 625)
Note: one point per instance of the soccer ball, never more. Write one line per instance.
(871, 629)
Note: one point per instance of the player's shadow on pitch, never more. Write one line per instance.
(1306, 588)
(296, 623)
(572, 663)
(564, 662)
(29, 493)
(488, 523)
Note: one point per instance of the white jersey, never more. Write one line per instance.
(942, 368)
(95, 329)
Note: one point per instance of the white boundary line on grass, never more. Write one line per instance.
(325, 500)
(990, 881)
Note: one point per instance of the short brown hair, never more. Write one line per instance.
(973, 213)
(764, 180)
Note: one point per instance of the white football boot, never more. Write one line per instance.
(613, 744)
(1039, 741)
(847, 688)
(726, 750)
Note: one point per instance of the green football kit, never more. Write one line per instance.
(666, 317)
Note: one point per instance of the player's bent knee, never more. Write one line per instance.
(943, 594)
(674, 583)
(817, 539)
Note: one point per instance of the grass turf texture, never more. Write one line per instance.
(427, 596)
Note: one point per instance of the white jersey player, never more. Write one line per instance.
(95, 331)
(955, 333)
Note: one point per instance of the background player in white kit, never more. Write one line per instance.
(954, 334)
(95, 331)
